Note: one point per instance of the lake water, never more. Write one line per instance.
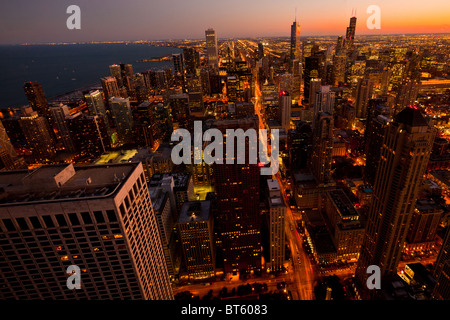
(63, 68)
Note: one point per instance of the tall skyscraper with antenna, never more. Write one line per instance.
(295, 40)
(350, 35)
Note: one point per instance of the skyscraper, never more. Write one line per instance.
(374, 135)
(260, 50)
(324, 100)
(364, 91)
(275, 223)
(211, 48)
(195, 94)
(36, 98)
(116, 72)
(297, 71)
(59, 114)
(38, 136)
(110, 87)
(195, 227)
(8, 156)
(311, 72)
(122, 117)
(89, 135)
(191, 60)
(322, 149)
(165, 217)
(295, 42)
(339, 68)
(178, 63)
(350, 36)
(441, 270)
(81, 216)
(314, 86)
(407, 93)
(404, 156)
(237, 196)
(285, 104)
(286, 82)
(95, 104)
(299, 145)
(179, 106)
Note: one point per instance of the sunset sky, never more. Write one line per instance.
(109, 20)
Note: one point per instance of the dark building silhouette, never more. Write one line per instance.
(404, 156)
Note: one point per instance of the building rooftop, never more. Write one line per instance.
(412, 117)
(62, 182)
(116, 156)
(163, 152)
(180, 179)
(273, 185)
(343, 204)
(158, 196)
(194, 211)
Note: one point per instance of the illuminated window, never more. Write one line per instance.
(65, 258)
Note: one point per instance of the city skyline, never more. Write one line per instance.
(98, 22)
(104, 195)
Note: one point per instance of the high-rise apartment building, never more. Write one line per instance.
(36, 98)
(95, 104)
(405, 152)
(98, 218)
(110, 87)
(89, 135)
(59, 114)
(122, 117)
(116, 72)
(38, 136)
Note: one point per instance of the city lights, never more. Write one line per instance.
(220, 168)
